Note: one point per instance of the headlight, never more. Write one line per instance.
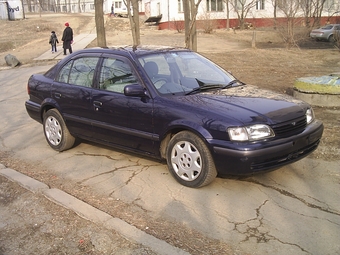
(309, 115)
(250, 133)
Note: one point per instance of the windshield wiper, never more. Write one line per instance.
(204, 87)
(232, 83)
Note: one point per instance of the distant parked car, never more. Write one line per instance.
(327, 33)
(171, 104)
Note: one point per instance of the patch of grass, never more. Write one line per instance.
(5, 46)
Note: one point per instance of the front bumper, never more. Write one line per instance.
(318, 36)
(246, 158)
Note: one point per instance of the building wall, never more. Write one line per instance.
(172, 17)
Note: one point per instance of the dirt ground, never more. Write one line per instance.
(269, 65)
(33, 225)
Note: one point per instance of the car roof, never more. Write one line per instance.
(131, 50)
(127, 51)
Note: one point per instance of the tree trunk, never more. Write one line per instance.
(134, 20)
(228, 16)
(99, 17)
(190, 13)
(79, 6)
(275, 13)
(186, 9)
(193, 31)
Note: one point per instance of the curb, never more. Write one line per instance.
(91, 213)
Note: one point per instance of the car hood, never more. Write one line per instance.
(248, 105)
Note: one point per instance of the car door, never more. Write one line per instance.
(118, 119)
(72, 91)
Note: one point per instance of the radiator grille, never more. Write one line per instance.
(290, 128)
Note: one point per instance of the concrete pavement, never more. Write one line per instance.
(79, 42)
(90, 213)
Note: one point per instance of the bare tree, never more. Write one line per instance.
(312, 9)
(208, 24)
(134, 20)
(228, 14)
(99, 18)
(79, 6)
(242, 8)
(58, 7)
(275, 12)
(190, 12)
(29, 6)
(290, 9)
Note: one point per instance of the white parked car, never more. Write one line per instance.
(329, 33)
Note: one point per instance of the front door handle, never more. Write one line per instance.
(97, 105)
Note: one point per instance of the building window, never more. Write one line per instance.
(180, 5)
(118, 5)
(260, 4)
(215, 5)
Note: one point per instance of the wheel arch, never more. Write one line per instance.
(179, 126)
(331, 37)
(46, 105)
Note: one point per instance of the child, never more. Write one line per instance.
(53, 41)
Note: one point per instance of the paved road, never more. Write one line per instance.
(294, 210)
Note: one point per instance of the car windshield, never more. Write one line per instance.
(328, 27)
(185, 73)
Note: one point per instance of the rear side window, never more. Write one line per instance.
(79, 72)
(64, 73)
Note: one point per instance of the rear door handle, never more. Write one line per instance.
(57, 95)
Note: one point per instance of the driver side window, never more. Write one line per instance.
(115, 74)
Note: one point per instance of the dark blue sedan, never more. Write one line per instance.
(171, 104)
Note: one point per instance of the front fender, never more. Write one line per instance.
(180, 125)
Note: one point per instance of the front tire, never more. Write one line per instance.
(190, 161)
(56, 132)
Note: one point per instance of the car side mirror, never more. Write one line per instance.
(134, 90)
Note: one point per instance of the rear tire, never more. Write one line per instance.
(56, 132)
(190, 161)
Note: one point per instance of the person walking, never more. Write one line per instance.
(112, 11)
(67, 38)
(53, 41)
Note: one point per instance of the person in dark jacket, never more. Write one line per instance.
(67, 38)
(53, 41)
